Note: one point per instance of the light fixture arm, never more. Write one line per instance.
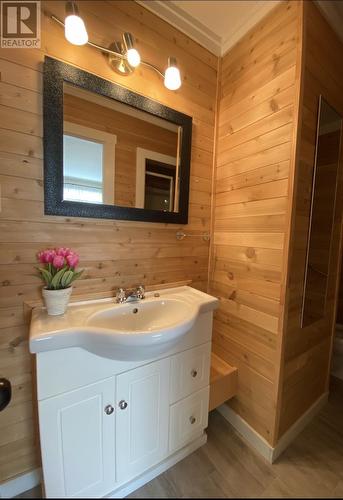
(111, 52)
(72, 8)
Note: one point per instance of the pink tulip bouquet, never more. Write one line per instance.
(59, 264)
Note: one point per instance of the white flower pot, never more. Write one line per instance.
(56, 301)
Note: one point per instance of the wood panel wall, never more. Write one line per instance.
(307, 351)
(339, 318)
(254, 172)
(113, 253)
(131, 133)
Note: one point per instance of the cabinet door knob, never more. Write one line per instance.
(192, 420)
(122, 404)
(194, 373)
(109, 409)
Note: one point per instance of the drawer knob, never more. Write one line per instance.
(194, 373)
(192, 420)
(109, 409)
(122, 404)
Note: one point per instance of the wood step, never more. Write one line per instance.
(223, 382)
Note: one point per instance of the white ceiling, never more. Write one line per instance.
(219, 24)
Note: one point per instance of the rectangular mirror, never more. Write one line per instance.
(111, 153)
(329, 129)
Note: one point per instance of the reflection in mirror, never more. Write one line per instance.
(117, 155)
(322, 213)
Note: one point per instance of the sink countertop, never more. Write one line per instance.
(76, 329)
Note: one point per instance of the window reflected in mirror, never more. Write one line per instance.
(83, 169)
(322, 213)
(114, 154)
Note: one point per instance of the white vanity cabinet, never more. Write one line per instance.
(108, 426)
(105, 434)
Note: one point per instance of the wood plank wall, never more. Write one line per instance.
(254, 165)
(113, 253)
(340, 299)
(306, 353)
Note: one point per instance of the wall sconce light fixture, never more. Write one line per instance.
(123, 57)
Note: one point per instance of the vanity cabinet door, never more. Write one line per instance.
(77, 431)
(142, 418)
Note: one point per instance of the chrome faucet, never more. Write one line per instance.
(135, 295)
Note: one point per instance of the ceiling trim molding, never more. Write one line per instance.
(185, 23)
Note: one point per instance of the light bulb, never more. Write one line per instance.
(74, 27)
(75, 30)
(172, 78)
(133, 58)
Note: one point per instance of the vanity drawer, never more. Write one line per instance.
(188, 419)
(190, 371)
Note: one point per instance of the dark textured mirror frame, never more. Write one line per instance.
(55, 74)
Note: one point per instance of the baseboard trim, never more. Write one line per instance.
(147, 476)
(249, 434)
(299, 425)
(20, 484)
(257, 442)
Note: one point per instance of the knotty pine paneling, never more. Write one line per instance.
(340, 299)
(307, 351)
(113, 253)
(254, 164)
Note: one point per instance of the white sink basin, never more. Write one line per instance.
(129, 331)
(145, 317)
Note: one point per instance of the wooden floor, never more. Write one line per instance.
(227, 468)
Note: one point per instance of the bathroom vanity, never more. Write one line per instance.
(123, 389)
